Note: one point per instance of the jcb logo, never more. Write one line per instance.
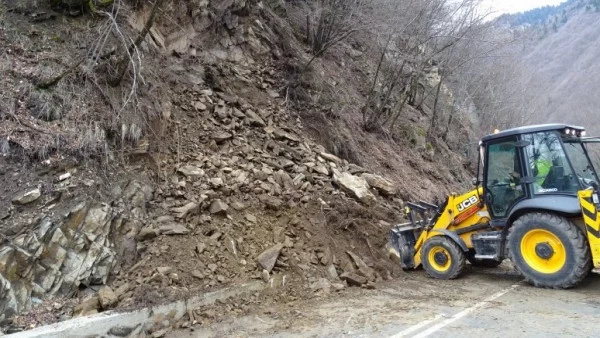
(467, 203)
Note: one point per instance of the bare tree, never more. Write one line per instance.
(331, 21)
(417, 38)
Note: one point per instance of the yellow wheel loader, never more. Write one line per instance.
(536, 204)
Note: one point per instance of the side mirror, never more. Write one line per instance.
(475, 181)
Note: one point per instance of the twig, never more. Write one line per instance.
(53, 81)
(124, 63)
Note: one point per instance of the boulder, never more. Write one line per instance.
(283, 179)
(199, 105)
(354, 185)
(321, 284)
(27, 196)
(330, 157)
(255, 119)
(189, 208)
(221, 137)
(332, 272)
(281, 134)
(222, 111)
(197, 274)
(218, 207)
(268, 258)
(190, 171)
(174, 229)
(165, 270)
(216, 182)
(146, 234)
(321, 169)
(363, 268)
(384, 186)
(353, 279)
(271, 202)
(356, 169)
(200, 248)
(87, 307)
(338, 286)
(251, 218)
(121, 331)
(107, 297)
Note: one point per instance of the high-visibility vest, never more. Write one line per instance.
(543, 168)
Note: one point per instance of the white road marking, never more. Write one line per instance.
(450, 320)
(417, 327)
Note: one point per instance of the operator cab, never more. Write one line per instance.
(539, 167)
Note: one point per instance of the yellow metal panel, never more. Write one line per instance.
(461, 212)
(592, 224)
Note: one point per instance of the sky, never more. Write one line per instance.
(513, 6)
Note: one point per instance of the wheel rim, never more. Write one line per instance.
(543, 251)
(439, 258)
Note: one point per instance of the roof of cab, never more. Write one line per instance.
(529, 129)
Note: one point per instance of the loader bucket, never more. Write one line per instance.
(401, 242)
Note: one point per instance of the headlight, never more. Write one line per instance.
(583, 133)
(568, 131)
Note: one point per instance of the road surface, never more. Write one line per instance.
(483, 303)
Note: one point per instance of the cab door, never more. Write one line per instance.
(502, 177)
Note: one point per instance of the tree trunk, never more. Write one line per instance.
(432, 125)
(450, 118)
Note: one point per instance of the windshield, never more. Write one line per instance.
(581, 162)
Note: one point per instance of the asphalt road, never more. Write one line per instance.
(483, 303)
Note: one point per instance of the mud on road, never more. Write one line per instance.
(484, 302)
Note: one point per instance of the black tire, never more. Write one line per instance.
(482, 263)
(573, 243)
(451, 250)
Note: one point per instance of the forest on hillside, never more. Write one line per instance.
(548, 72)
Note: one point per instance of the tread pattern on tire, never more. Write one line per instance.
(456, 252)
(582, 259)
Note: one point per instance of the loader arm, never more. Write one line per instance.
(458, 219)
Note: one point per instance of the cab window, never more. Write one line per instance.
(548, 164)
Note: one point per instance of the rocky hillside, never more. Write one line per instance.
(218, 173)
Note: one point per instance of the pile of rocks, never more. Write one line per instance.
(240, 199)
(237, 202)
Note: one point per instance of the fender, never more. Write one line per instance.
(454, 237)
(563, 204)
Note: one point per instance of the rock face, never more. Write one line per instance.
(384, 186)
(61, 254)
(355, 185)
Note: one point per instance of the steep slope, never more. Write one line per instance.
(226, 178)
(565, 74)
